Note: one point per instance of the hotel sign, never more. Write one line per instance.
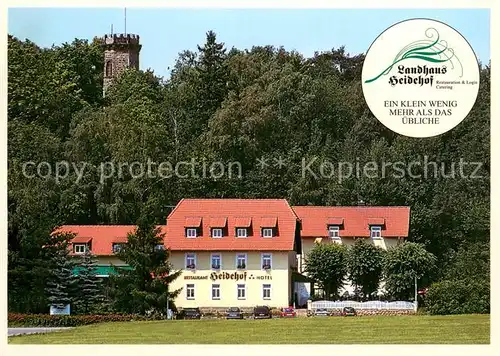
(235, 276)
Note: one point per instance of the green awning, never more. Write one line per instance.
(102, 270)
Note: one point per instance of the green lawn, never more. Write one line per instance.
(459, 329)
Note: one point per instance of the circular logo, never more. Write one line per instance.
(420, 78)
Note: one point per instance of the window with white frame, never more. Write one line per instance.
(376, 232)
(241, 232)
(191, 232)
(242, 291)
(333, 232)
(266, 291)
(267, 232)
(190, 260)
(241, 261)
(189, 291)
(79, 248)
(216, 261)
(267, 259)
(216, 291)
(217, 233)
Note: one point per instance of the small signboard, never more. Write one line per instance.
(54, 310)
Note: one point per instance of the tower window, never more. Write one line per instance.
(109, 69)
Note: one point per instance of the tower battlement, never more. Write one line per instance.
(121, 41)
(120, 38)
(121, 51)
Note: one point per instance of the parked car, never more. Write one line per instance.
(349, 311)
(288, 313)
(262, 312)
(190, 313)
(321, 312)
(234, 313)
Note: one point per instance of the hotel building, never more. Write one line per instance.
(247, 252)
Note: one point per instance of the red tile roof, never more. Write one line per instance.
(376, 221)
(239, 213)
(259, 213)
(335, 221)
(81, 239)
(193, 221)
(268, 222)
(101, 237)
(219, 221)
(242, 222)
(356, 220)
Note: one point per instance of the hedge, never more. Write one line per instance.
(458, 297)
(46, 320)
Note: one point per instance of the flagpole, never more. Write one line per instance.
(125, 21)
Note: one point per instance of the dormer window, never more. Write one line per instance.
(376, 232)
(242, 226)
(217, 226)
(216, 233)
(192, 226)
(334, 232)
(241, 232)
(79, 248)
(268, 225)
(191, 232)
(267, 232)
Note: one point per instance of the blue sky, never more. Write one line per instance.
(165, 32)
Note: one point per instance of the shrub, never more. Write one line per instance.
(276, 312)
(45, 320)
(459, 297)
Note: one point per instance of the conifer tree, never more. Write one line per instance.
(88, 290)
(213, 76)
(144, 288)
(61, 282)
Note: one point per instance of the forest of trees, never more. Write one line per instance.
(219, 104)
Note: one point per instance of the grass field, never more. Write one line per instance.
(459, 329)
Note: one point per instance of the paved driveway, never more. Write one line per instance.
(26, 331)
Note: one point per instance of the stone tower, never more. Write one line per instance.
(120, 52)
